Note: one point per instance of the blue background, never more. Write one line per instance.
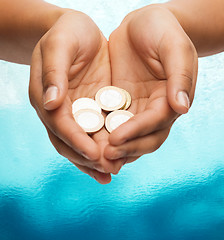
(175, 193)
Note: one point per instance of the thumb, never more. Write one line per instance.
(57, 58)
(180, 62)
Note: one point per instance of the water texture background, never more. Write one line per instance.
(175, 193)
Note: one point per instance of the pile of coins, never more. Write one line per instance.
(88, 112)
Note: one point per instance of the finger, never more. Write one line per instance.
(123, 161)
(80, 162)
(104, 165)
(63, 125)
(158, 116)
(102, 178)
(137, 147)
(131, 159)
(179, 58)
(58, 55)
(68, 153)
(112, 167)
(59, 121)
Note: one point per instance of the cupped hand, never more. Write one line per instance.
(71, 61)
(155, 61)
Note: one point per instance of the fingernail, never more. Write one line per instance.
(183, 99)
(85, 156)
(99, 168)
(51, 94)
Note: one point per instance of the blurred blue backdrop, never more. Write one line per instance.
(174, 193)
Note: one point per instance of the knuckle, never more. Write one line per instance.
(48, 72)
(186, 77)
(51, 75)
(183, 78)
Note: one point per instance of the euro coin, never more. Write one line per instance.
(85, 103)
(128, 100)
(110, 98)
(116, 118)
(89, 120)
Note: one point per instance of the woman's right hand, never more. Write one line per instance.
(71, 61)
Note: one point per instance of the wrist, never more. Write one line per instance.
(180, 16)
(22, 27)
(203, 23)
(186, 21)
(51, 16)
(42, 21)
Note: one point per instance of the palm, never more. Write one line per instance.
(88, 75)
(147, 49)
(136, 67)
(143, 77)
(86, 79)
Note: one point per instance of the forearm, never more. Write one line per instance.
(203, 21)
(22, 24)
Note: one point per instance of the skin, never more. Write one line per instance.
(158, 63)
(38, 31)
(203, 21)
(22, 27)
(153, 68)
(82, 69)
